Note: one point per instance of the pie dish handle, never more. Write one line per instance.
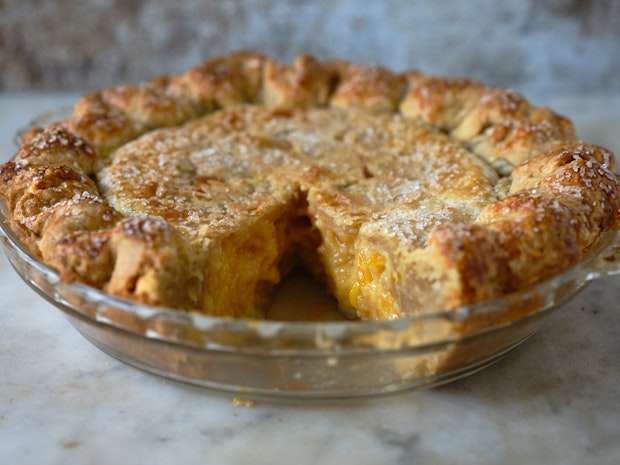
(41, 120)
(607, 262)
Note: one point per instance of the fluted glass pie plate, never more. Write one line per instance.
(323, 356)
(304, 359)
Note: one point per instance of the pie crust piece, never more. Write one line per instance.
(405, 193)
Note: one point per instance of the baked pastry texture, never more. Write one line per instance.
(405, 193)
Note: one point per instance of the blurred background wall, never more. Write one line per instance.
(543, 46)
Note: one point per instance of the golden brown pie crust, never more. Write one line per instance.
(406, 193)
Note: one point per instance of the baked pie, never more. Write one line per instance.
(405, 193)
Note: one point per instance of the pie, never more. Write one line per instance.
(404, 193)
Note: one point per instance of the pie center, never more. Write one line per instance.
(256, 191)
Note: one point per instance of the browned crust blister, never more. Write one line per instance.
(562, 194)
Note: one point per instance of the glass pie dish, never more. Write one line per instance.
(321, 356)
(308, 360)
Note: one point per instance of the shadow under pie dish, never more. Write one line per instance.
(436, 208)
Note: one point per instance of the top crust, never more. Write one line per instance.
(423, 192)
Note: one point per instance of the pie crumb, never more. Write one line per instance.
(240, 402)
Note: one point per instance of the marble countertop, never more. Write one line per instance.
(555, 399)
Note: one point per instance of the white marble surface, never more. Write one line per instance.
(554, 400)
